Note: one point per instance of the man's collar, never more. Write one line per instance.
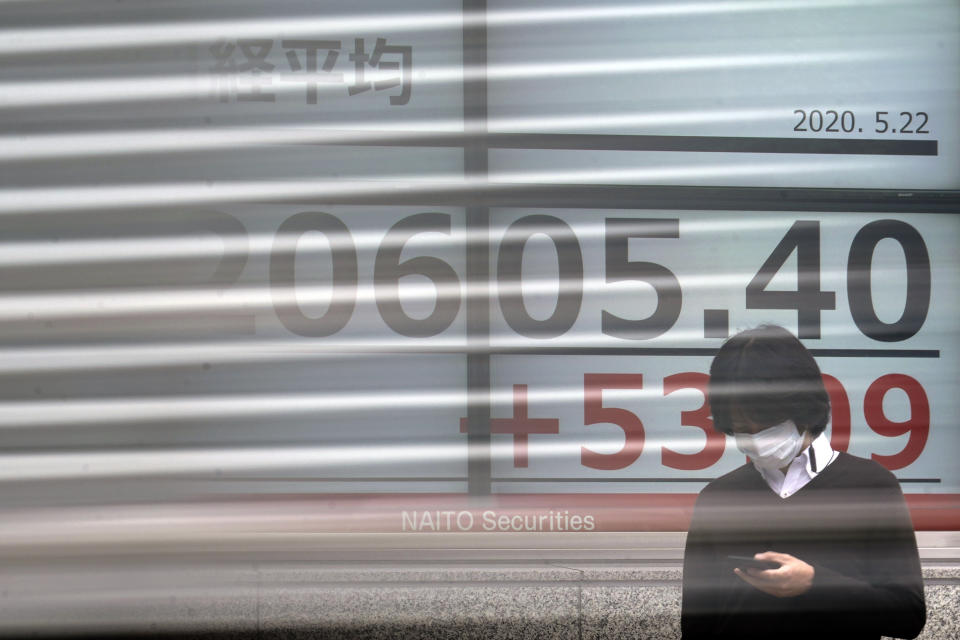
(822, 451)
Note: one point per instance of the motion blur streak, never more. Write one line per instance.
(47, 146)
(177, 194)
(105, 143)
(163, 249)
(617, 121)
(686, 63)
(214, 461)
(160, 249)
(666, 10)
(174, 194)
(20, 95)
(30, 414)
(65, 39)
(91, 303)
(26, 360)
(213, 464)
(81, 251)
(151, 88)
(679, 171)
(15, 42)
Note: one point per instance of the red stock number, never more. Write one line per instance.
(917, 426)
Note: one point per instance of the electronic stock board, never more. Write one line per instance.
(464, 266)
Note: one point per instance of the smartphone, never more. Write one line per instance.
(747, 562)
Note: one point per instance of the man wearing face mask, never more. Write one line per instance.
(802, 541)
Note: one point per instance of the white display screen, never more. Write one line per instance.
(406, 260)
(824, 94)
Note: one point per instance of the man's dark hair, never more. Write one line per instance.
(767, 376)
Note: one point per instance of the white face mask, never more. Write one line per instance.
(772, 448)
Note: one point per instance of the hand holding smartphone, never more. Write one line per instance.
(747, 562)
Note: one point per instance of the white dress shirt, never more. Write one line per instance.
(801, 470)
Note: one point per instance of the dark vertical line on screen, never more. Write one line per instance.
(478, 246)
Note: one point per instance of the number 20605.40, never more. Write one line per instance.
(803, 237)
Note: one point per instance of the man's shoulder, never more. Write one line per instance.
(743, 474)
(741, 478)
(861, 471)
(847, 471)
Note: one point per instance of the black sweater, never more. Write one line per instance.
(850, 522)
